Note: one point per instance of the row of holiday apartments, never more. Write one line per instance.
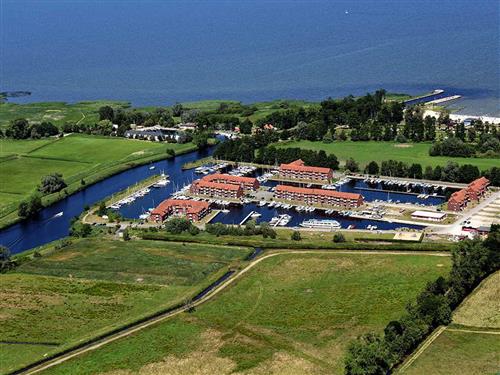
(474, 191)
(213, 186)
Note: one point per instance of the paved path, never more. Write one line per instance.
(456, 227)
(140, 326)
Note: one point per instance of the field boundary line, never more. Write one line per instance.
(57, 159)
(422, 348)
(181, 309)
(41, 146)
(473, 331)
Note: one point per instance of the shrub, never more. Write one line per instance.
(296, 236)
(177, 225)
(338, 237)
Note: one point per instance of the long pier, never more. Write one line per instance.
(247, 217)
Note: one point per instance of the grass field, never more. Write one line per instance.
(76, 157)
(481, 309)
(56, 112)
(455, 352)
(293, 314)
(95, 285)
(470, 345)
(364, 152)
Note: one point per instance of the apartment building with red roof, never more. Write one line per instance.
(246, 183)
(474, 191)
(477, 188)
(318, 196)
(297, 170)
(216, 189)
(191, 209)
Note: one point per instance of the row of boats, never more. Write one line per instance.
(280, 220)
(242, 170)
(402, 183)
(131, 198)
(266, 176)
(206, 169)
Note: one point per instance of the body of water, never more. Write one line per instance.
(160, 52)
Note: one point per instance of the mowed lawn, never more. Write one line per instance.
(24, 163)
(364, 152)
(291, 314)
(95, 285)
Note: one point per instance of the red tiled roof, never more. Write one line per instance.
(459, 196)
(298, 165)
(216, 185)
(191, 205)
(479, 184)
(229, 178)
(322, 192)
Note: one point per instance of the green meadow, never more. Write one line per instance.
(56, 112)
(292, 313)
(95, 285)
(76, 157)
(364, 152)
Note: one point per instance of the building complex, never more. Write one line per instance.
(193, 210)
(474, 191)
(297, 170)
(318, 196)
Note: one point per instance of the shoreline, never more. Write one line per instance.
(458, 117)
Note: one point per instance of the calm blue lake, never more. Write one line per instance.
(159, 52)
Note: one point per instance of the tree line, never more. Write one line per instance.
(246, 149)
(379, 354)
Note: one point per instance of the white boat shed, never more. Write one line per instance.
(428, 215)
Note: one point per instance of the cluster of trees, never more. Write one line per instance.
(30, 207)
(52, 183)
(451, 172)
(6, 262)
(488, 145)
(250, 229)
(274, 156)
(178, 225)
(102, 127)
(251, 149)
(79, 229)
(22, 129)
(472, 261)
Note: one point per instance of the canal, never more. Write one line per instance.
(48, 226)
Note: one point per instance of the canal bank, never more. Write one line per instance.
(50, 225)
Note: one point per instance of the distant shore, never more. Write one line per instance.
(456, 117)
